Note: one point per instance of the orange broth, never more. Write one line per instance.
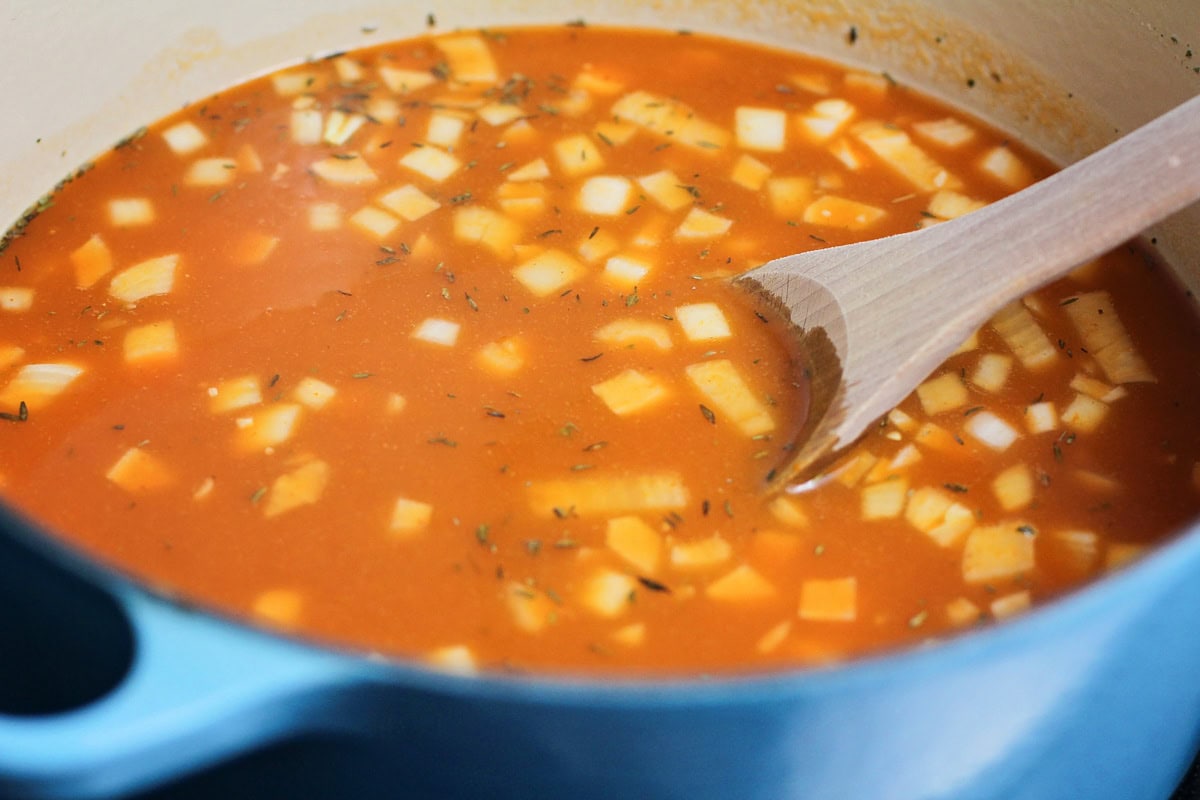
(428, 350)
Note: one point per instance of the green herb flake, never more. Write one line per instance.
(708, 414)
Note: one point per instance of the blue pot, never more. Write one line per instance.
(1095, 696)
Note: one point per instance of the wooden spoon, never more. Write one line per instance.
(875, 318)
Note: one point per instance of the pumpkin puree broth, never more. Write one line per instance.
(427, 350)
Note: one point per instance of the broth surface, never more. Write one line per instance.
(428, 350)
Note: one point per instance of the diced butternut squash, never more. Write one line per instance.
(437, 331)
(671, 119)
(210, 172)
(770, 641)
(742, 584)
(445, 129)
(408, 202)
(854, 469)
(632, 332)
(630, 635)
(16, 299)
(626, 270)
(254, 248)
(151, 343)
(1078, 549)
(92, 260)
(503, 357)
(154, 276)
(701, 553)
(235, 393)
(294, 82)
(722, 385)
(991, 430)
(700, 224)
(1024, 336)
(280, 608)
(841, 212)
(409, 517)
(324, 216)
(635, 542)
(943, 393)
(496, 114)
(749, 172)
(1013, 487)
(1006, 167)
(536, 170)
(272, 425)
(313, 392)
(788, 511)
(138, 471)
(405, 81)
(493, 230)
(302, 486)
(994, 552)
(578, 155)
(184, 138)
(760, 128)
(654, 491)
(947, 204)
(374, 222)
(991, 372)
(35, 385)
(962, 612)
(947, 132)
(456, 659)
(1084, 414)
(436, 165)
(548, 272)
(630, 392)
(826, 119)
(531, 610)
(469, 58)
(703, 322)
(1011, 604)
(829, 600)
(608, 593)
(895, 149)
(936, 513)
(884, 500)
(667, 189)
(348, 169)
(790, 196)
(1106, 338)
(605, 195)
(130, 212)
(307, 125)
(1041, 417)
(522, 198)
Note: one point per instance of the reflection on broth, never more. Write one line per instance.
(428, 349)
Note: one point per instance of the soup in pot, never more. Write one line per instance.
(429, 350)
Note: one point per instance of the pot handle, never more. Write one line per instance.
(200, 690)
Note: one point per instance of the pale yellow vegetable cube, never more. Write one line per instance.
(445, 129)
(1079, 549)
(894, 147)
(947, 204)
(826, 118)
(962, 612)
(630, 391)
(294, 82)
(901, 420)
(992, 371)
(829, 600)
(1003, 165)
(1013, 487)
(16, 299)
(254, 248)
(313, 392)
(235, 393)
(129, 212)
(456, 659)
(151, 343)
(788, 511)
(503, 357)
(700, 224)
(408, 202)
(667, 189)
(396, 403)
(280, 608)
(92, 260)
(374, 222)
(600, 245)
(1041, 417)
(702, 553)
(307, 125)
(1097, 389)
(469, 58)
(626, 269)
(614, 132)
(154, 276)
(760, 128)
(578, 155)
(303, 486)
(884, 500)
(790, 196)
(703, 322)
(943, 393)
(324, 216)
(1106, 338)
(743, 584)
(248, 159)
(531, 610)
(654, 491)
(608, 593)
(548, 272)
(437, 331)
(994, 552)
(812, 82)
(606, 195)
(934, 437)
(210, 172)
(435, 164)
(1011, 604)
(671, 119)
(184, 138)
(749, 172)
(497, 114)
(991, 430)
(351, 170)
(868, 82)
(948, 132)
(273, 425)
(138, 471)
(926, 508)
(493, 230)
(770, 641)
(854, 469)
(636, 542)
(841, 212)
(536, 170)
(722, 385)
(409, 517)
(630, 635)
(632, 332)
(405, 81)
(1084, 414)
(523, 199)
